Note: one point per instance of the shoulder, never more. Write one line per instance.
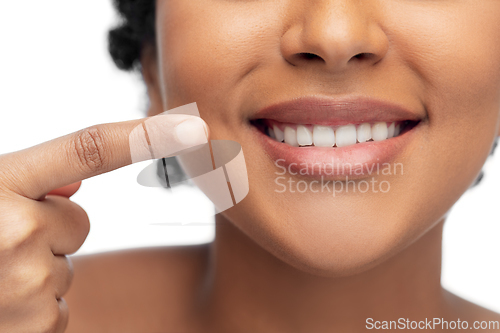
(474, 314)
(123, 291)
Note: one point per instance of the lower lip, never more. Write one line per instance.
(354, 162)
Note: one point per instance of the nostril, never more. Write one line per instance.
(308, 56)
(362, 56)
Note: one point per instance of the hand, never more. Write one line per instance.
(39, 225)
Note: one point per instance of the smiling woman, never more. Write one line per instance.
(362, 124)
(343, 83)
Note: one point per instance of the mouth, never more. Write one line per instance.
(311, 135)
(326, 137)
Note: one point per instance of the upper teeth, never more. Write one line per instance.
(291, 136)
(325, 136)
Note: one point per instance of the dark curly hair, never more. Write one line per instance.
(137, 28)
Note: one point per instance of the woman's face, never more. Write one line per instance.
(438, 60)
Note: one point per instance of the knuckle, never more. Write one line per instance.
(44, 280)
(25, 283)
(50, 318)
(65, 278)
(80, 227)
(19, 232)
(63, 315)
(83, 222)
(35, 281)
(90, 149)
(70, 273)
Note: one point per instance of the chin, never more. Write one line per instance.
(336, 243)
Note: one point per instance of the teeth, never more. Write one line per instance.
(346, 135)
(323, 136)
(364, 132)
(291, 136)
(280, 136)
(304, 136)
(391, 130)
(379, 131)
(397, 130)
(326, 136)
(271, 133)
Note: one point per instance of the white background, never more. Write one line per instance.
(57, 78)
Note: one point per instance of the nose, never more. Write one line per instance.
(333, 34)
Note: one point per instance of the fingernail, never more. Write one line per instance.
(191, 132)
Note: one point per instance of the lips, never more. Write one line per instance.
(331, 137)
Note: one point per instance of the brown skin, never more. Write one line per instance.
(310, 263)
(40, 226)
(440, 59)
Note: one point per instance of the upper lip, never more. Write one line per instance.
(330, 111)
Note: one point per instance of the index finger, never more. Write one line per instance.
(37, 170)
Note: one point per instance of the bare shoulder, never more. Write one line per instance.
(144, 290)
(475, 314)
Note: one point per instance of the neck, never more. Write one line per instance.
(249, 289)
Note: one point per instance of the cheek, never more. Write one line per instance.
(209, 47)
(456, 56)
(454, 52)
